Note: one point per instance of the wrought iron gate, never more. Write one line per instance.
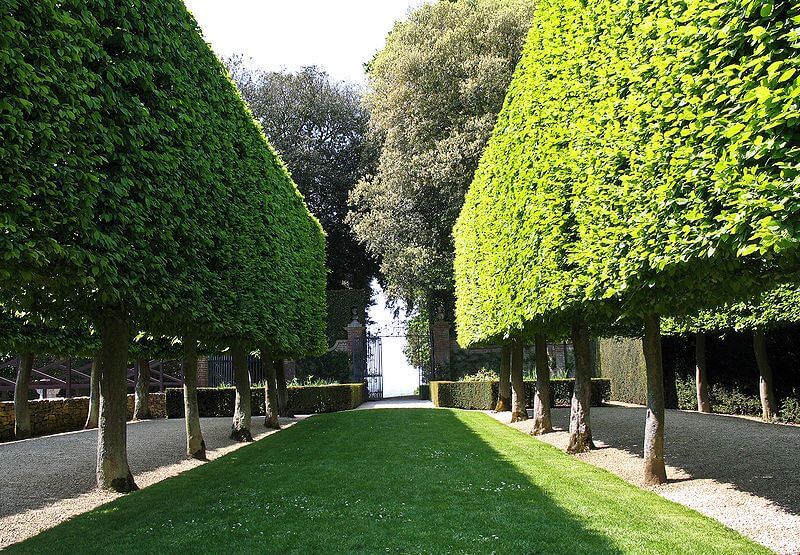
(367, 364)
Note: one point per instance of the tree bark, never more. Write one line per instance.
(766, 384)
(519, 411)
(504, 389)
(542, 423)
(270, 390)
(195, 444)
(654, 471)
(580, 428)
(94, 393)
(701, 373)
(242, 412)
(283, 393)
(22, 412)
(141, 402)
(112, 454)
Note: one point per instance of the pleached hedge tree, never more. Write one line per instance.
(645, 163)
(137, 192)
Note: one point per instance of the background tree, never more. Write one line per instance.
(434, 92)
(319, 127)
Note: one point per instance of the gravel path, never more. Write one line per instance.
(741, 472)
(49, 479)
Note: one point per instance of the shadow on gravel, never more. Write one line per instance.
(754, 457)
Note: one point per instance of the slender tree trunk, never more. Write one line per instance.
(94, 393)
(195, 444)
(701, 373)
(141, 403)
(22, 412)
(580, 428)
(283, 393)
(242, 412)
(270, 390)
(504, 389)
(518, 401)
(654, 471)
(112, 454)
(766, 384)
(542, 422)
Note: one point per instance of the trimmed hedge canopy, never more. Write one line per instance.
(134, 182)
(646, 160)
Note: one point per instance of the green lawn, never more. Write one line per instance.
(408, 481)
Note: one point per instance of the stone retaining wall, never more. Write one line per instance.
(52, 416)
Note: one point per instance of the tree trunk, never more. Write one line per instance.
(542, 422)
(654, 471)
(112, 454)
(242, 413)
(766, 384)
(283, 393)
(701, 373)
(22, 412)
(518, 401)
(580, 429)
(504, 389)
(195, 444)
(141, 403)
(94, 393)
(270, 390)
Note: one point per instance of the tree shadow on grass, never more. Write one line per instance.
(754, 457)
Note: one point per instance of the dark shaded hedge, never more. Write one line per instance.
(214, 401)
(483, 395)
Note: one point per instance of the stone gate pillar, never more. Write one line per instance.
(202, 371)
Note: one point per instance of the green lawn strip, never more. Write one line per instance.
(414, 480)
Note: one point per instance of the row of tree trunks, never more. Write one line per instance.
(283, 393)
(112, 454)
(766, 383)
(542, 423)
(519, 411)
(701, 373)
(242, 411)
(141, 396)
(195, 444)
(22, 413)
(654, 469)
(580, 429)
(271, 392)
(504, 389)
(93, 414)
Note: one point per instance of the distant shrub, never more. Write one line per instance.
(482, 395)
(482, 375)
(790, 408)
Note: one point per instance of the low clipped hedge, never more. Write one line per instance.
(213, 401)
(483, 395)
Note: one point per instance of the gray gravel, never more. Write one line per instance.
(739, 471)
(48, 479)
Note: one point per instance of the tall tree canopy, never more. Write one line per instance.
(137, 193)
(319, 127)
(434, 93)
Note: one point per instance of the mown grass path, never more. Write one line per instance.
(400, 480)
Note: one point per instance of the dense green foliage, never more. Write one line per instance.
(434, 92)
(319, 128)
(219, 401)
(136, 184)
(645, 160)
(305, 490)
(482, 395)
(622, 362)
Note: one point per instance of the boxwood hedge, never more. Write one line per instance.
(214, 401)
(483, 395)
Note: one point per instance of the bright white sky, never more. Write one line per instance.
(338, 35)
